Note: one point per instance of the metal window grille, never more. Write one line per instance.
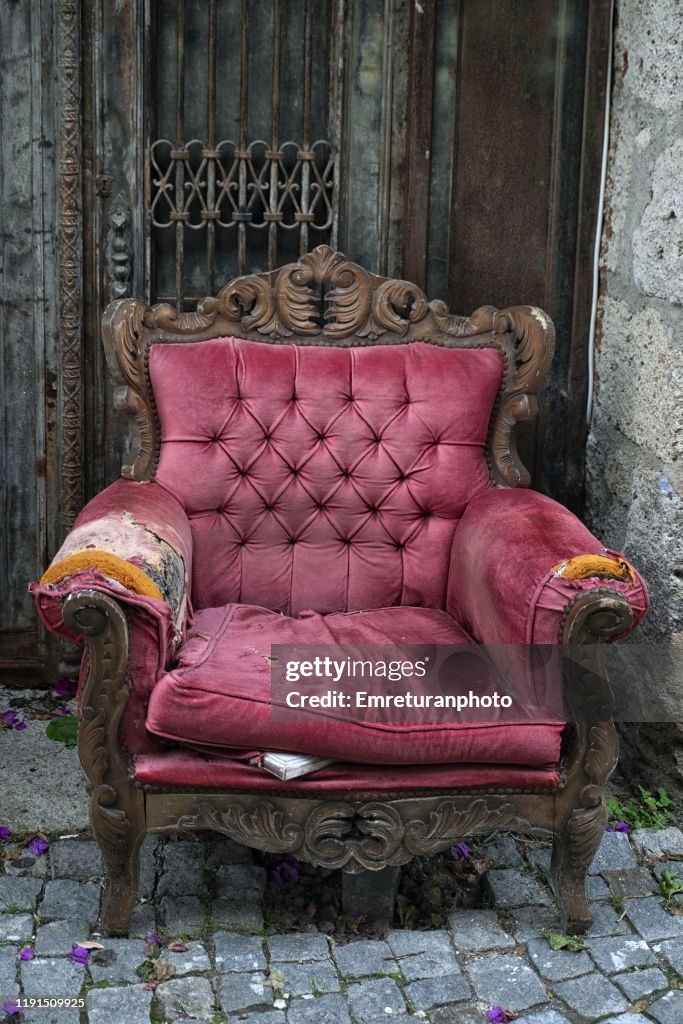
(219, 202)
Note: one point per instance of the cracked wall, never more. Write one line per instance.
(634, 475)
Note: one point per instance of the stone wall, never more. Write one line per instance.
(635, 448)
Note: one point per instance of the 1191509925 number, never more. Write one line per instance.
(50, 1002)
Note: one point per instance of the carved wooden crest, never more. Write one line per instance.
(325, 299)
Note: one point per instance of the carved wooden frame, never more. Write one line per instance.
(325, 299)
(388, 828)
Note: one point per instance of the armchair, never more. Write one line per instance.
(321, 455)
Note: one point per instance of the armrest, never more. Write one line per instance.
(132, 543)
(509, 582)
(134, 538)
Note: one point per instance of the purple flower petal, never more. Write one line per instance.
(65, 687)
(154, 939)
(276, 878)
(20, 726)
(4, 833)
(9, 718)
(460, 851)
(291, 872)
(26, 953)
(497, 1015)
(38, 847)
(80, 955)
(11, 1008)
(63, 709)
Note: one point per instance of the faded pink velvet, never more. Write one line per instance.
(219, 694)
(324, 478)
(501, 588)
(178, 768)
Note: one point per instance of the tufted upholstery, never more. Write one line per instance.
(325, 478)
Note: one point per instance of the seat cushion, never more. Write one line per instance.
(219, 695)
(177, 769)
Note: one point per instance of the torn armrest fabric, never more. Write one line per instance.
(136, 535)
(133, 543)
(519, 559)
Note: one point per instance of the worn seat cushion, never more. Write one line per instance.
(218, 697)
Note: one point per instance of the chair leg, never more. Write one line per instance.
(122, 873)
(574, 847)
(371, 893)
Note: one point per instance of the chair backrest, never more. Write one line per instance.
(328, 467)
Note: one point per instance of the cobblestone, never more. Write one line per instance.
(18, 894)
(57, 938)
(557, 964)
(506, 981)
(299, 946)
(326, 1010)
(28, 865)
(192, 961)
(318, 977)
(478, 930)
(512, 887)
(15, 927)
(365, 957)
(592, 996)
(375, 999)
(668, 1009)
(672, 951)
(48, 977)
(118, 1005)
(8, 972)
(183, 869)
(629, 882)
(614, 853)
(116, 963)
(237, 992)
(618, 954)
(184, 997)
(239, 952)
(430, 992)
(485, 957)
(663, 842)
(649, 917)
(65, 898)
(423, 954)
(639, 984)
(183, 915)
(78, 859)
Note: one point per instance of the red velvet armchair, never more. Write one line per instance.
(321, 455)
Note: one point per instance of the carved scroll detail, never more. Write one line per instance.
(533, 344)
(263, 827)
(325, 299)
(355, 836)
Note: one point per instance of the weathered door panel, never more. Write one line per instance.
(28, 370)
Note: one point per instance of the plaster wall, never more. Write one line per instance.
(635, 448)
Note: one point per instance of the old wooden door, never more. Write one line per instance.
(454, 142)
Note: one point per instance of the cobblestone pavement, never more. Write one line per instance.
(224, 968)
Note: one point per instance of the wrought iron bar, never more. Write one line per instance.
(179, 215)
(242, 215)
(210, 214)
(274, 156)
(306, 155)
